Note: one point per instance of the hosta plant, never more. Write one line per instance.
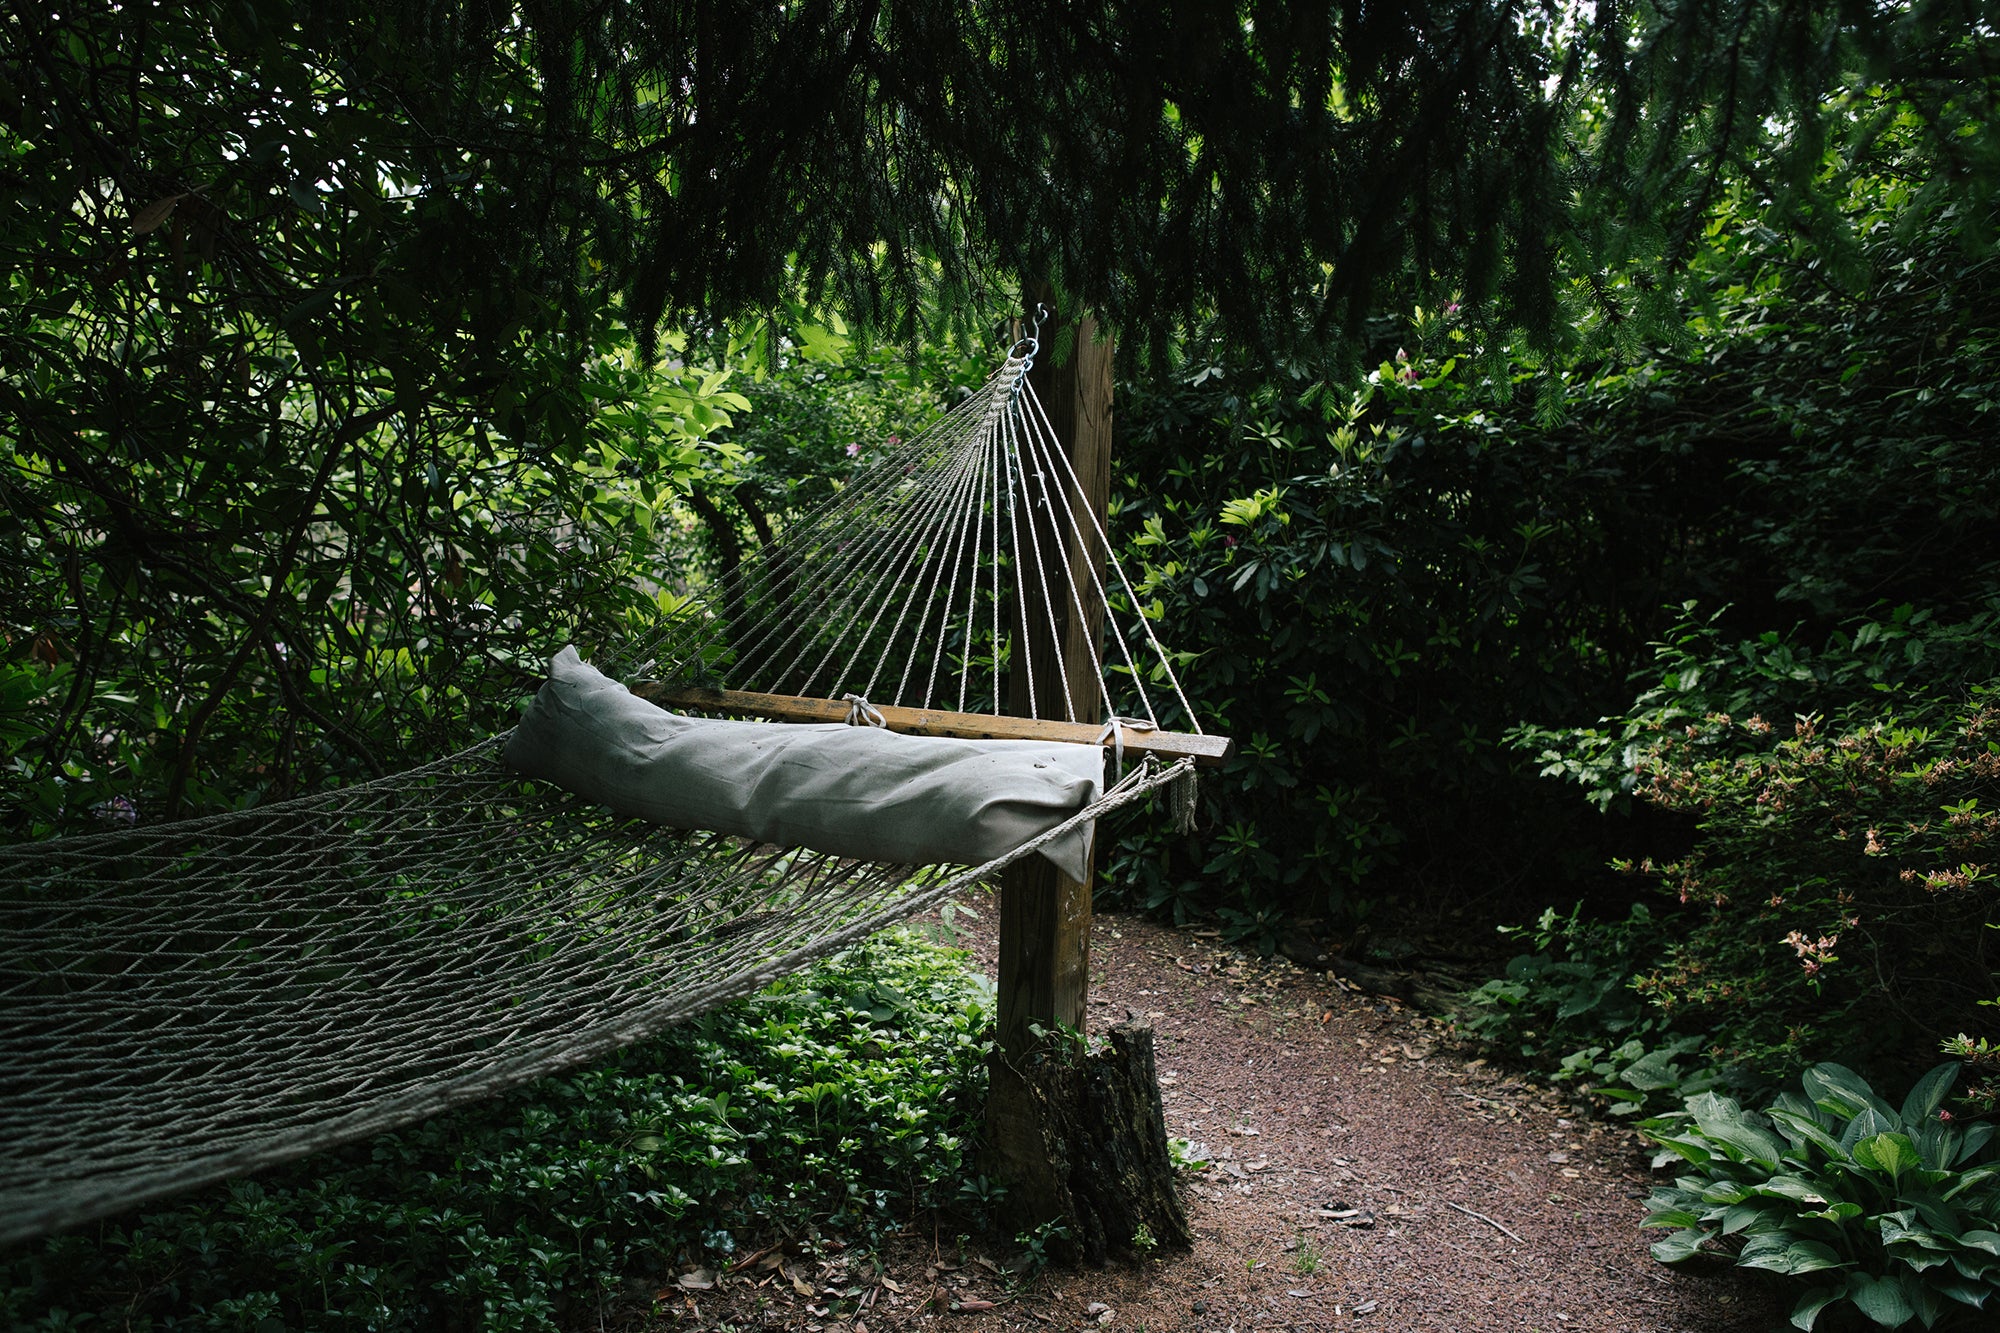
(1895, 1212)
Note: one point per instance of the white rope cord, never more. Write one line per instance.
(967, 575)
(948, 512)
(1065, 533)
(904, 543)
(997, 468)
(961, 514)
(849, 578)
(954, 433)
(1138, 611)
(1021, 515)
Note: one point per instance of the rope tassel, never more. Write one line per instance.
(1184, 799)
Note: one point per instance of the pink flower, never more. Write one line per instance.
(895, 440)
(854, 450)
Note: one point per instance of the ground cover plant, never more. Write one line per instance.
(1892, 1211)
(838, 1102)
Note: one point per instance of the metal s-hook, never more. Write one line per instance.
(1032, 340)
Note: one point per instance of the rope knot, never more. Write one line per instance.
(861, 713)
(1114, 731)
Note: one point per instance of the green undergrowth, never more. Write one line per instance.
(1566, 1008)
(840, 1100)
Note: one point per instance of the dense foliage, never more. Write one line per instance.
(1388, 582)
(354, 358)
(844, 1098)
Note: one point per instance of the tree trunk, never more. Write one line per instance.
(1093, 1131)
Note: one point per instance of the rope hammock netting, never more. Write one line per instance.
(185, 1002)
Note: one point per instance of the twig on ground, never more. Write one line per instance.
(1483, 1218)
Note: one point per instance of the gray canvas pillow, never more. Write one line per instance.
(861, 792)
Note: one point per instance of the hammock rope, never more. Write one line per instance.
(184, 1002)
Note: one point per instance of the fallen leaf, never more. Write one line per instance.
(756, 1259)
(798, 1286)
(973, 1306)
(1302, 1295)
(1366, 1307)
(892, 1285)
(1095, 1308)
(700, 1279)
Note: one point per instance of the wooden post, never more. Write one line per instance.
(1044, 914)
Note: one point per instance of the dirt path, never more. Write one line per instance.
(1366, 1175)
(1318, 1102)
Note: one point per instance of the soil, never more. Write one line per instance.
(1363, 1170)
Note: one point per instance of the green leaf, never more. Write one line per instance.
(1929, 1093)
(1866, 1125)
(1796, 1188)
(1810, 1304)
(1651, 1072)
(1987, 1241)
(1780, 1252)
(1680, 1246)
(1976, 1137)
(1803, 1129)
(1682, 1146)
(1670, 1217)
(1891, 1153)
(1841, 1091)
(1979, 1175)
(1965, 1291)
(1723, 1121)
(1881, 1299)
(1923, 1298)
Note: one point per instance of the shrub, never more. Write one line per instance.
(1569, 1008)
(1832, 897)
(1895, 1212)
(841, 1097)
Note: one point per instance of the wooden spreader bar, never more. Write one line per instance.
(1206, 751)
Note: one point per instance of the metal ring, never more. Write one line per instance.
(1033, 345)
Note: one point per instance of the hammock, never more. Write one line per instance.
(186, 1002)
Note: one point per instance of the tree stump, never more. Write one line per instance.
(1095, 1127)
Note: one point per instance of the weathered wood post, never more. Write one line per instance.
(1078, 1142)
(1044, 914)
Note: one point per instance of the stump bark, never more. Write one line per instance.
(1095, 1131)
